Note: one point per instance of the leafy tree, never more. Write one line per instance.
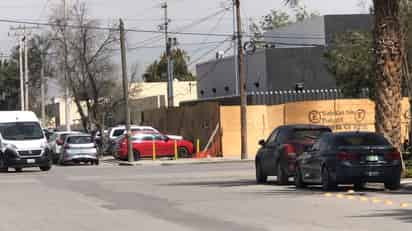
(351, 60)
(157, 71)
(10, 76)
(277, 19)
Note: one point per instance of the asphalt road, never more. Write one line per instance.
(188, 197)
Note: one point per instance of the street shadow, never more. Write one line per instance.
(226, 183)
(404, 215)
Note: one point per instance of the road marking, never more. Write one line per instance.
(364, 199)
(328, 194)
(376, 200)
(350, 197)
(339, 195)
(388, 202)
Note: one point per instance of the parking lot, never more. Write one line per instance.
(220, 196)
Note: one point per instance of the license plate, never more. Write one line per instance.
(372, 158)
(31, 161)
(374, 173)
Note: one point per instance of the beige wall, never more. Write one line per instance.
(74, 114)
(340, 115)
(260, 122)
(183, 90)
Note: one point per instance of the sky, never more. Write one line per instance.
(147, 15)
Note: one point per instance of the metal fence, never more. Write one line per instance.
(281, 97)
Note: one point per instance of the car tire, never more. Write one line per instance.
(261, 178)
(282, 177)
(45, 168)
(183, 152)
(327, 182)
(3, 165)
(96, 162)
(359, 185)
(18, 169)
(136, 155)
(393, 184)
(299, 183)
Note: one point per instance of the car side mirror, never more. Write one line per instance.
(262, 143)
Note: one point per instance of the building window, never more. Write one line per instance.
(214, 90)
(257, 84)
(227, 89)
(202, 92)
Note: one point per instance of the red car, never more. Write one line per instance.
(142, 144)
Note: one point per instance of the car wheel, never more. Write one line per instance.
(327, 181)
(283, 178)
(3, 165)
(18, 169)
(183, 152)
(136, 155)
(393, 184)
(45, 168)
(299, 178)
(96, 162)
(359, 185)
(261, 178)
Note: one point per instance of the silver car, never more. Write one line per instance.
(79, 148)
(56, 143)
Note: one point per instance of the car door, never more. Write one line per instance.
(306, 162)
(274, 151)
(267, 151)
(317, 158)
(163, 146)
(145, 146)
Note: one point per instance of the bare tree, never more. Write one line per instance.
(87, 61)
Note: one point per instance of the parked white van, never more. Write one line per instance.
(22, 141)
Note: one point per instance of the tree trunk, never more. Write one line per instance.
(389, 58)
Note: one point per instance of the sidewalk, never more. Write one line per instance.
(170, 162)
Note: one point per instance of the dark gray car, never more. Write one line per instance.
(349, 158)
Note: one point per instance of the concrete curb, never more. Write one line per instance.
(180, 162)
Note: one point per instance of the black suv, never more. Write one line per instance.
(277, 156)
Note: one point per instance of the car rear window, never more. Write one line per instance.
(361, 140)
(308, 134)
(80, 140)
(118, 132)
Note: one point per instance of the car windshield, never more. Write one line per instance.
(21, 131)
(361, 140)
(79, 140)
(308, 134)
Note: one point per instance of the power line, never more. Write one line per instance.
(194, 23)
(153, 31)
(208, 52)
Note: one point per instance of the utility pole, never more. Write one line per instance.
(22, 33)
(66, 77)
(235, 57)
(26, 74)
(168, 44)
(242, 90)
(22, 106)
(125, 92)
(42, 94)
